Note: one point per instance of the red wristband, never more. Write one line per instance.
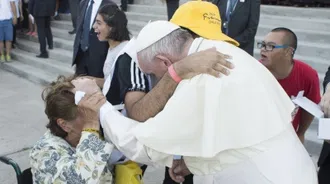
(174, 75)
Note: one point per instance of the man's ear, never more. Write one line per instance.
(289, 51)
(164, 60)
(64, 125)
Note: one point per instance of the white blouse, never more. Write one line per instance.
(112, 54)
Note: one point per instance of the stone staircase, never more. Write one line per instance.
(311, 25)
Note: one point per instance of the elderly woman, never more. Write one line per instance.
(71, 151)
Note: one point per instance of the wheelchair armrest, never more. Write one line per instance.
(6, 160)
(11, 162)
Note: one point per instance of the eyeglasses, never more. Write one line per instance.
(270, 47)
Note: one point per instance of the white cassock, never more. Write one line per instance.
(232, 130)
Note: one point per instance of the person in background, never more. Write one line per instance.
(74, 5)
(89, 54)
(25, 7)
(111, 26)
(20, 18)
(124, 4)
(42, 11)
(324, 160)
(56, 15)
(240, 20)
(8, 18)
(277, 54)
(32, 27)
(172, 6)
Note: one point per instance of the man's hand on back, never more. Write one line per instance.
(209, 61)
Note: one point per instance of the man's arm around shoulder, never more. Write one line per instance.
(134, 88)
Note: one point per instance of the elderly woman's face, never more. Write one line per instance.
(73, 128)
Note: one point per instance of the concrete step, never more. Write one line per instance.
(49, 65)
(145, 17)
(62, 33)
(57, 54)
(58, 42)
(309, 49)
(314, 36)
(138, 20)
(270, 20)
(61, 28)
(319, 13)
(29, 72)
(155, 2)
(295, 22)
(265, 20)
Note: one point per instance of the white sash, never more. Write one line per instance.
(131, 51)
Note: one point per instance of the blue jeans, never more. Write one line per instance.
(6, 30)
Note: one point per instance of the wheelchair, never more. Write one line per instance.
(24, 177)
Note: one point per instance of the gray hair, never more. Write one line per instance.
(171, 45)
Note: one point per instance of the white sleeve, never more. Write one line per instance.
(119, 130)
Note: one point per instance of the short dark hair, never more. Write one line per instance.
(290, 37)
(116, 19)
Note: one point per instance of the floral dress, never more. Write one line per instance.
(54, 161)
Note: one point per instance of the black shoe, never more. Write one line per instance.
(51, 47)
(130, 1)
(43, 55)
(72, 32)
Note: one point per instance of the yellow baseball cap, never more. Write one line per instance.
(202, 18)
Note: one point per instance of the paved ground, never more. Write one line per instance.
(22, 122)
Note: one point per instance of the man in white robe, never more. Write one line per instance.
(231, 130)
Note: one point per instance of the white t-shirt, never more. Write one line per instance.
(112, 54)
(5, 9)
(17, 8)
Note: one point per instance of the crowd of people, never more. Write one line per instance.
(31, 15)
(185, 94)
